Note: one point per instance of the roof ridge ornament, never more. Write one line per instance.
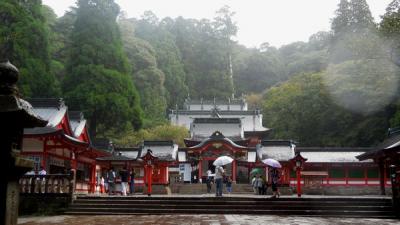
(217, 134)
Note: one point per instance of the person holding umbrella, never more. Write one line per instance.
(220, 172)
(274, 174)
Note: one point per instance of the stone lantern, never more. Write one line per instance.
(15, 115)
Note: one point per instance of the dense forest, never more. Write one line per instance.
(341, 88)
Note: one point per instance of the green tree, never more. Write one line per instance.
(98, 81)
(168, 56)
(390, 28)
(161, 132)
(149, 80)
(24, 41)
(341, 21)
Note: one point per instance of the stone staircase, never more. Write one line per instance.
(365, 207)
(196, 189)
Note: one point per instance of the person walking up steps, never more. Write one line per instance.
(229, 185)
(219, 174)
(274, 182)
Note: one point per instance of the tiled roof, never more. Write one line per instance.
(77, 122)
(47, 102)
(277, 152)
(332, 154)
(217, 120)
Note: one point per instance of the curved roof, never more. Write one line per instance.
(217, 136)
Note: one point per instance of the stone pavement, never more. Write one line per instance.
(210, 219)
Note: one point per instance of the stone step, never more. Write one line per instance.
(359, 213)
(236, 206)
(215, 202)
(324, 206)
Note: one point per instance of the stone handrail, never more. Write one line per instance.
(46, 184)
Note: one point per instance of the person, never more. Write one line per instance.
(259, 184)
(42, 171)
(111, 181)
(274, 182)
(229, 185)
(264, 186)
(132, 182)
(219, 174)
(254, 185)
(42, 181)
(209, 181)
(124, 180)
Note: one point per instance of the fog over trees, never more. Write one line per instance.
(341, 88)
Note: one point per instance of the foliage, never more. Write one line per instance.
(149, 80)
(25, 42)
(167, 54)
(98, 80)
(161, 132)
(302, 109)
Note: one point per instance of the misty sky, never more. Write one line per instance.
(278, 22)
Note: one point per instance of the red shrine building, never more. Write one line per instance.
(216, 128)
(62, 145)
(228, 128)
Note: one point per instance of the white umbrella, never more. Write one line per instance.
(222, 160)
(272, 163)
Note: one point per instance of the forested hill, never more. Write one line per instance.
(341, 88)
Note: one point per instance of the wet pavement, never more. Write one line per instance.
(210, 219)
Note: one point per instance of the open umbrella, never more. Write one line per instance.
(272, 163)
(257, 171)
(222, 160)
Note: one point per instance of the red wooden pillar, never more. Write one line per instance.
(149, 178)
(200, 168)
(234, 169)
(45, 156)
(93, 178)
(382, 178)
(74, 166)
(298, 176)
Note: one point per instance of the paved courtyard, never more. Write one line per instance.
(211, 219)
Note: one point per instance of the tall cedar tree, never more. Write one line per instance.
(24, 41)
(97, 80)
(149, 80)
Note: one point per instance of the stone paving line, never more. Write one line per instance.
(206, 219)
(246, 196)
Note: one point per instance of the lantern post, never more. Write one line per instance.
(149, 160)
(298, 162)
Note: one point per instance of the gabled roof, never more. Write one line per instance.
(163, 150)
(217, 136)
(388, 147)
(281, 150)
(51, 109)
(331, 154)
(77, 122)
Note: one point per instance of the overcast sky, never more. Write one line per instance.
(277, 22)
